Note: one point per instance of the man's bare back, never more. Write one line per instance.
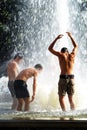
(66, 62)
(26, 74)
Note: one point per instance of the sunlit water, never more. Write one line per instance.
(46, 104)
(7, 114)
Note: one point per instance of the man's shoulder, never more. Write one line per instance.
(29, 69)
(33, 70)
(12, 63)
(61, 55)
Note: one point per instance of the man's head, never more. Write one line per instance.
(38, 67)
(18, 57)
(64, 49)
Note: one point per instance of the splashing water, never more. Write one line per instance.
(46, 20)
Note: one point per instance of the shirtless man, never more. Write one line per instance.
(12, 72)
(20, 86)
(66, 80)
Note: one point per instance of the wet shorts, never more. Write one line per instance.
(66, 85)
(11, 88)
(20, 88)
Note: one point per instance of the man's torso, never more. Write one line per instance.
(66, 63)
(12, 70)
(25, 74)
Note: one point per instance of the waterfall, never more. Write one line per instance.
(45, 19)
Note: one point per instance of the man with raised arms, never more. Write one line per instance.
(66, 79)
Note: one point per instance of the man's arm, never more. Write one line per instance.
(50, 48)
(34, 86)
(73, 42)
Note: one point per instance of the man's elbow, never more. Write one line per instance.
(76, 46)
(49, 49)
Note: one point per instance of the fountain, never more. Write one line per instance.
(44, 21)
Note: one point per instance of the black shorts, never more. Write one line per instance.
(11, 88)
(20, 88)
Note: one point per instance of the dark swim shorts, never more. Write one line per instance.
(11, 88)
(66, 85)
(20, 88)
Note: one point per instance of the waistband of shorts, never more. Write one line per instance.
(71, 76)
(10, 81)
(18, 80)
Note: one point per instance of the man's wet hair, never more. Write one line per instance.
(38, 66)
(19, 55)
(64, 49)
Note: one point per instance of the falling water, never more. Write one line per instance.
(44, 21)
